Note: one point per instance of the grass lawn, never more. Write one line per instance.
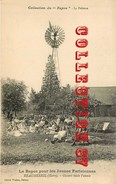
(33, 148)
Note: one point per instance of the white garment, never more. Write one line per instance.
(105, 126)
(22, 128)
(68, 121)
(42, 123)
(17, 133)
(58, 121)
(16, 120)
(60, 135)
(32, 129)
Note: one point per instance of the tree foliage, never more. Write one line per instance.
(50, 83)
(50, 87)
(53, 99)
(13, 95)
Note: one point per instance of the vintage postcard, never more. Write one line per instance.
(58, 92)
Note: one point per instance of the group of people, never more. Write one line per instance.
(62, 128)
(39, 124)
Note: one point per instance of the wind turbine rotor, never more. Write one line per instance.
(54, 36)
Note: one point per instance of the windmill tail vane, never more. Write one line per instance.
(50, 26)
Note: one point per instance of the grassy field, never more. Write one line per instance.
(33, 148)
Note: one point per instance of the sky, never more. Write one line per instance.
(25, 51)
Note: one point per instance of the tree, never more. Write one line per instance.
(93, 103)
(33, 96)
(35, 101)
(14, 95)
(50, 86)
(66, 100)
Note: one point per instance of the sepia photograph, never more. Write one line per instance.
(58, 92)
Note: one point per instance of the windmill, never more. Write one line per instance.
(55, 36)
